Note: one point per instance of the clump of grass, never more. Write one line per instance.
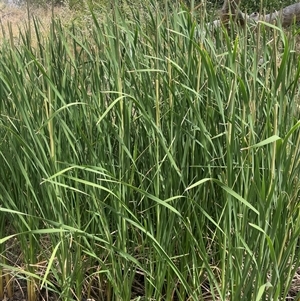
(158, 165)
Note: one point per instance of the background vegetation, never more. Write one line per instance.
(249, 5)
(146, 158)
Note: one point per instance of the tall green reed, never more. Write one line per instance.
(154, 164)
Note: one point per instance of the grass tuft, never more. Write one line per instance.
(141, 160)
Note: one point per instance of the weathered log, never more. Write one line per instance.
(230, 10)
(286, 17)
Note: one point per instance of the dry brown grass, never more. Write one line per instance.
(15, 19)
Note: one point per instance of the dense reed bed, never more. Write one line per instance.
(149, 159)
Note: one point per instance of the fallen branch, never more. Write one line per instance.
(230, 11)
(286, 17)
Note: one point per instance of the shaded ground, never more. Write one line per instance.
(14, 258)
